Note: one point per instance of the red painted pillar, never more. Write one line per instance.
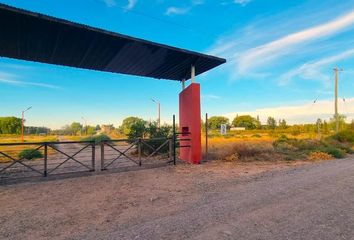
(190, 121)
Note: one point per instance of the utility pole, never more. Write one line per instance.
(158, 112)
(85, 124)
(336, 116)
(23, 124)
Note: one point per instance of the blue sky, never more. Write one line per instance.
(280, 56)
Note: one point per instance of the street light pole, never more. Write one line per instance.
(336, 116)
(158, 112)
(23, 123)
(85, 124)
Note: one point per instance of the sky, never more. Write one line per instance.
(280, 59)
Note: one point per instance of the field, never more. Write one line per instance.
(255, 145)
(214, 200)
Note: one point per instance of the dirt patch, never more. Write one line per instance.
(84, 207)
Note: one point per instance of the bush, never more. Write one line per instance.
(317, 155)
(344, 136)
(30, 154)
(335, 152)
(256, 135)
(157, 136)
(97, 138)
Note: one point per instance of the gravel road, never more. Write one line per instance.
(210, 201)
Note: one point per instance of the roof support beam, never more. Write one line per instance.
(193, 74)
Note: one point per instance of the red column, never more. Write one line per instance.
(190, 121)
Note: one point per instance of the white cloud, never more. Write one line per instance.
(312, 70)
(197, 2)
(250, 50)
(210, 97)
(303, 113)
(131, 4)
(177, 10)
(264, 53)
(7, 78)
(242, 2)
(183, 10)
(110, 3)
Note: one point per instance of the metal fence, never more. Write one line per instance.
(136, 152)
(51, 158)
(45, 158)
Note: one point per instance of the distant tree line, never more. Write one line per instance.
(37, 130)
(250, 123)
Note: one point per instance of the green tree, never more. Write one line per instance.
(10, 125)
(271, 123)
(128, 122)
(90, 130)
(216, 121)
(137, 129)
(341, 120)
(325, 127)
(282, 124)
(245, 121)
(76, 128)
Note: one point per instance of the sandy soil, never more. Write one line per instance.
(128, 205)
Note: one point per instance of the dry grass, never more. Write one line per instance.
(264, 147)
(28, 138)
(316, 156)
(245, 150)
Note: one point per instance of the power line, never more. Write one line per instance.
(167, 22)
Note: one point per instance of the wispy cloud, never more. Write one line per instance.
(313, 70)
(282, 46)
(173, 10)
(250, 54)
(242, 2)
(177, 10)
(110, 3)
(7, 78)
(131, 4)
(302, 113)
(210, 97)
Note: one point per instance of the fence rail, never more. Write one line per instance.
(51, 158)
(45, 158)
(127, 152)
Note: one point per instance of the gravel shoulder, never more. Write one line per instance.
(215, 200)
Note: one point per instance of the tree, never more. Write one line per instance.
(10, 125)
(90, 130)
(128, 122)
(282, 124)
(245, 121)
(271, 123)
(325, 127)
(76, 128)
(137, 129)
(216, 121)
(341, 121)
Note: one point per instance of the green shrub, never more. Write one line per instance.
(344, 136)
(97, 138)
(30, 154)
(335, 152)
(256, 135)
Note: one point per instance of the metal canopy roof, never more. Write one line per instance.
(35, 37)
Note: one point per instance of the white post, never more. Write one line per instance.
(193, 74)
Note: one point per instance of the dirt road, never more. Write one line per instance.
(211, 201)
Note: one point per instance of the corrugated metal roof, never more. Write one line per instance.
(35, 37)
